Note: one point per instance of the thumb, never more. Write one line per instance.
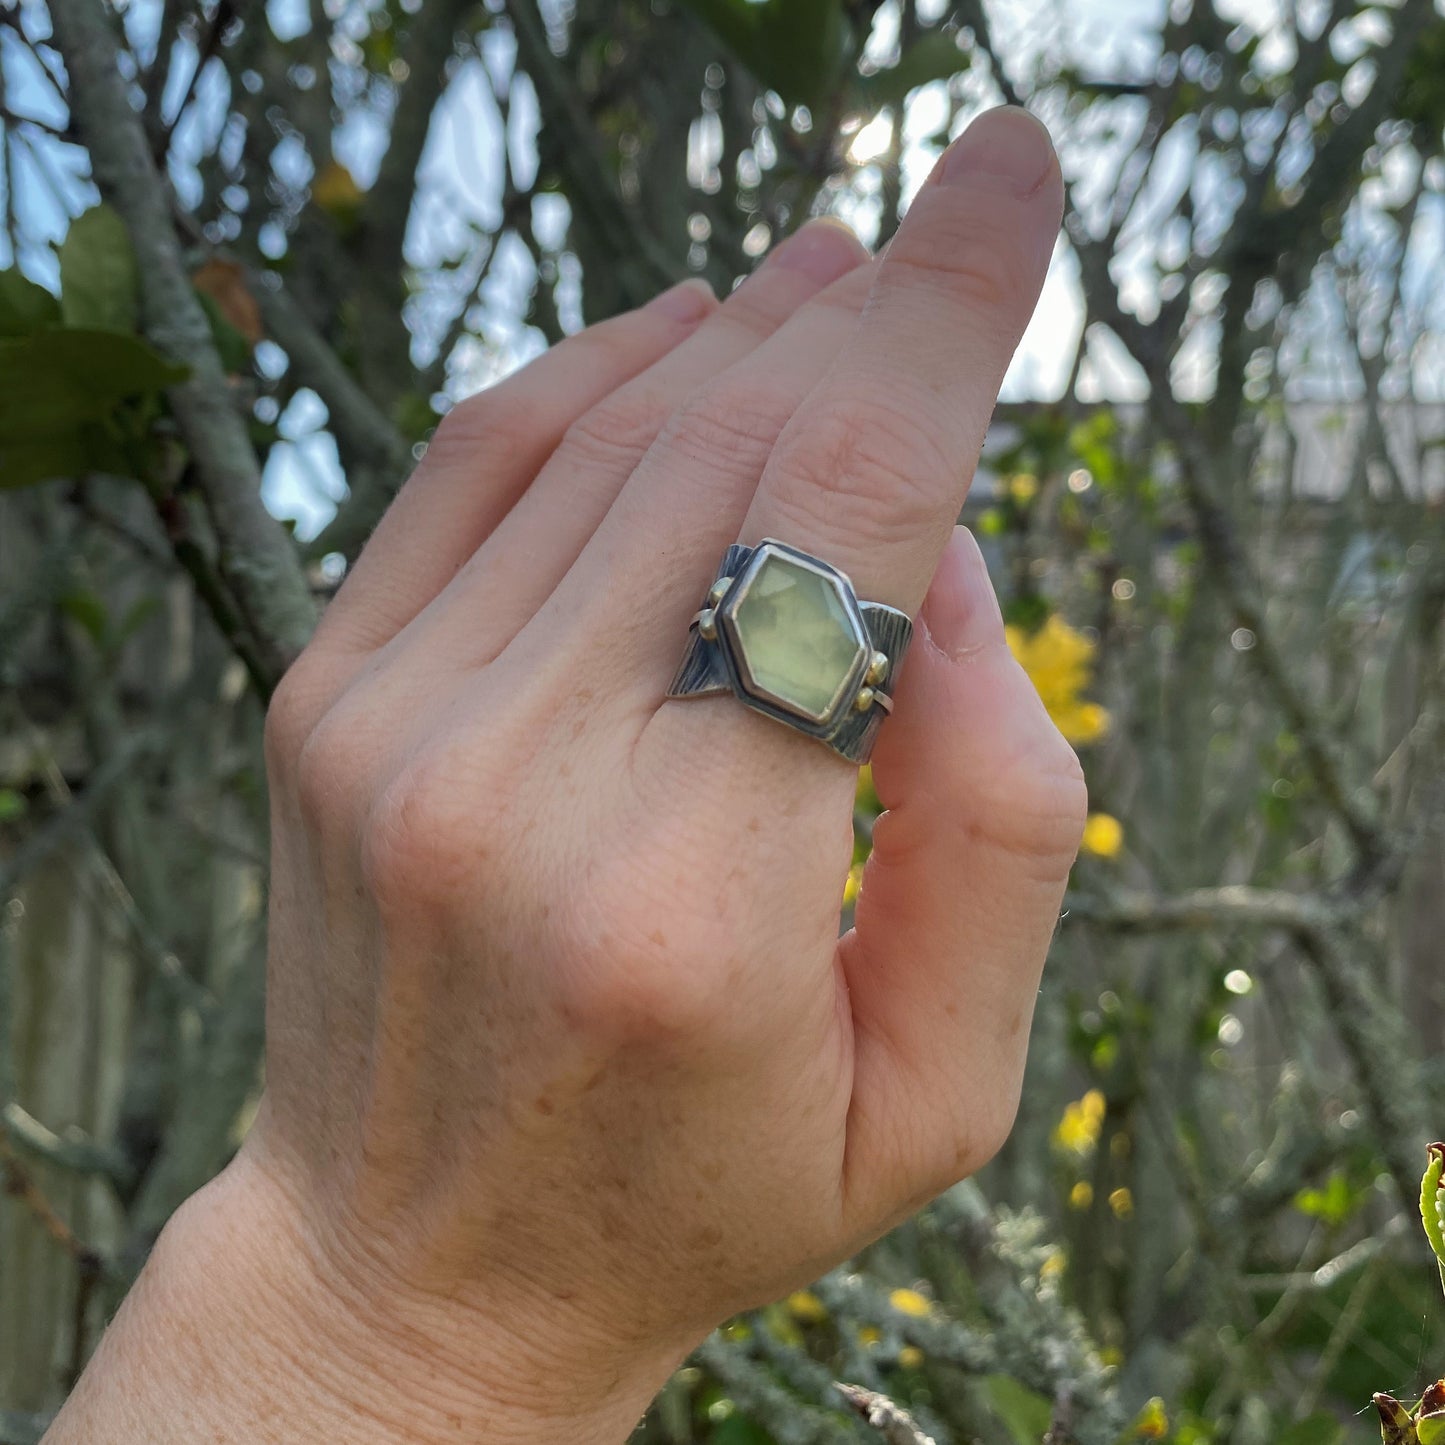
(986, 804)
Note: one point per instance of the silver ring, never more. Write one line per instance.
(785, 633)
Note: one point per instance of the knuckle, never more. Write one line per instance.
(1032, 804)
(616, 431)
(733, 426)
(330, 769)
(504, 419)
(422, 847)
(295, 708)
(974, 255)
(869, 464)
(643, 963)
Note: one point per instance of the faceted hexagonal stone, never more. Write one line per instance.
(798, 642)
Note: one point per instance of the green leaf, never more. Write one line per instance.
(799, 48)
(24, 306)
(934, 56)
(12, 805)
(1026, 1415)
(99, 280)
(71, 399)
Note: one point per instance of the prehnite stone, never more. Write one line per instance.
(799, 644)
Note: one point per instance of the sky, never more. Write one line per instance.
(460, 189)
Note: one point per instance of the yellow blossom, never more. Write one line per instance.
(852, 884)
(1121, 1201)
(1103, 835)
(1153, 1420)
(1059, 660)
(1081, 1196)
(1078, 1131)
(806, 1307)
(910, 1302)
(1055, 1263)
(869, 1334)
(910, 1357)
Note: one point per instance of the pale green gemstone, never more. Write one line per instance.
(798, 642)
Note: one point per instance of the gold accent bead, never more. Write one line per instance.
(718, 591)
(864, 700)
(877, 668)
(707, 624)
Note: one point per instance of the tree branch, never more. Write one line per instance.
(73, 1150)
(568, 145)
(1130, 911)
(893, 1424)
(787, 1419)
(374, 454)
(256, 557)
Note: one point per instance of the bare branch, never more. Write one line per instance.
(374, 454)
(894, 1424)
(568, 142)
(256, 560)
(72, 1149)
(788, 1420)
(1129, 911)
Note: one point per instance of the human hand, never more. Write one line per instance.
(566, 1060)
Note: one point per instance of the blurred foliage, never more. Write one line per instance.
(1218, 538)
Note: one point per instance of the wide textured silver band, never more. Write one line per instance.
(865, 644)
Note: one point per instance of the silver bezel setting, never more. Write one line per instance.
(842, 588)
(714, 660)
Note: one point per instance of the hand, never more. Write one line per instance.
(566, 1060)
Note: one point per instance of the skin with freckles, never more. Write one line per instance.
(566, 1061)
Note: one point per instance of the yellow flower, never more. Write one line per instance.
(1078, 1131)
(1059, 660)
(1081, 1196)
(910, 1302)
(1103, 835)
(852, 884)
(1055, 1263)
(910, 1357)
(806, 1307)
(869, 1334)
(1153, 1420)
(1121, 1201)
(1023, 487)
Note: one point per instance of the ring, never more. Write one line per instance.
(785, 633)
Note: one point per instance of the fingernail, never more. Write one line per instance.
(823, 250)
(1004, 149)
(961, 611)
(688, 301)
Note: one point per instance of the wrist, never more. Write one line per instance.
(242, 1328)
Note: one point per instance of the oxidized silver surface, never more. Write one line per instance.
(713, 662)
